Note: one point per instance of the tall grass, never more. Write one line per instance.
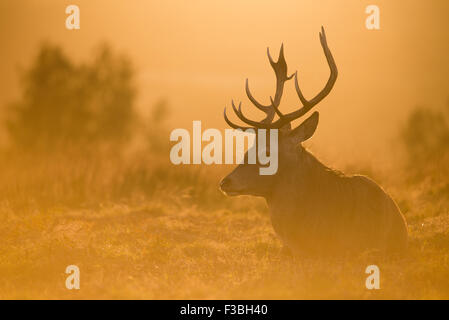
(138, 226)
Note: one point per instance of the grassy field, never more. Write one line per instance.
(148, 230)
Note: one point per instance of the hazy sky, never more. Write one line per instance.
(197, 54)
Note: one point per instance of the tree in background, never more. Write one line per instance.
(156, 131)
(67, 104)
(425, 138)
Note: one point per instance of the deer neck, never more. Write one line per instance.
(302, 181)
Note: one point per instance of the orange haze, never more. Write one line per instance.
(197, 54)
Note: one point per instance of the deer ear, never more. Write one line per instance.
(305, 130)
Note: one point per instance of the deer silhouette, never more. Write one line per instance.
(314, 209)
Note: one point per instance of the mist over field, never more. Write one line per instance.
(85, 173)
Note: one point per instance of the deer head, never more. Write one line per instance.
(245, 179)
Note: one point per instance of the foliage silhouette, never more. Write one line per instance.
(156, 130)
(426, 134)
(425, 138)
(68, 104)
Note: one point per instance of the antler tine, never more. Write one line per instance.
(275, 107)
(253, 100)
(309, 104)
(299, 92)
(266, 109)
(231, 124)
(280, 70)
(240, 115)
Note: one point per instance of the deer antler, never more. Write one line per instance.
(280, 69)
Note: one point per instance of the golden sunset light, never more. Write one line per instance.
(118, 164)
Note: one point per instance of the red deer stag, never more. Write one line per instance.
(314, 210)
